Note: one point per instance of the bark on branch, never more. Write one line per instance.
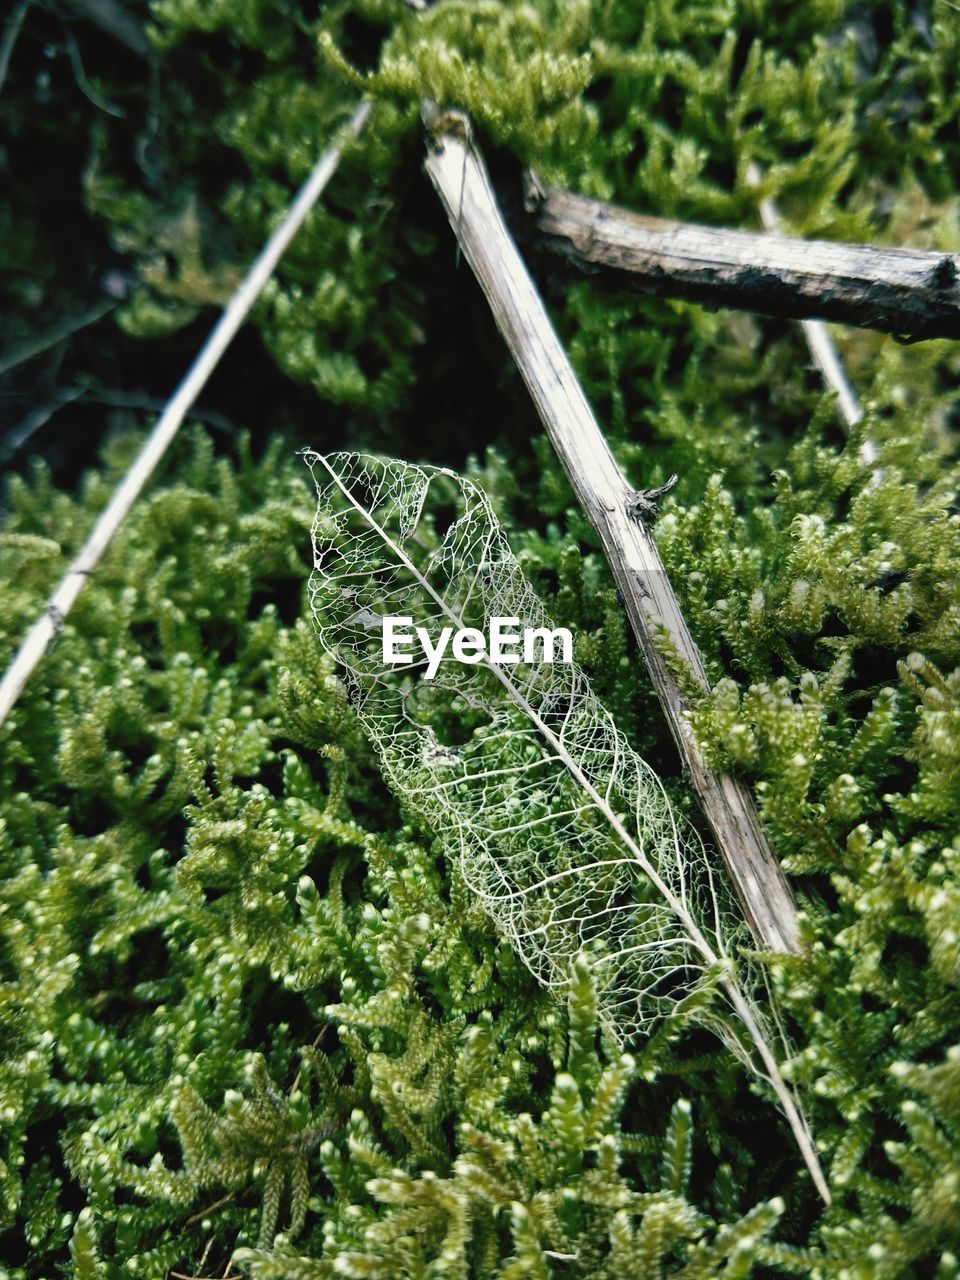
(459, 175)
(907, 292)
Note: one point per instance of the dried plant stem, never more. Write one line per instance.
(10, 34)
(821, 345)
(902, 291)
(459, 175)
(48, 625)
(110, 16)
(34, 347)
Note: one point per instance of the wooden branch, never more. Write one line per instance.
(907, 292)
(459, 175)
(11, 33)
(49, 624)
(34, 347)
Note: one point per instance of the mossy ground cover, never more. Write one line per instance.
(245, 1004)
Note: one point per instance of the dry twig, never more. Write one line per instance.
(908, 292)
(11, 33)
(459, 175)
(34, 347)
(821, 346)
(50, 622)
(110, 16)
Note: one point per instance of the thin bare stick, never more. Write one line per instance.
(34, 347)
(10, 33)
(821, 345)
(206, 1253)
(613, 507)
(83, 83)
(211, 1208)
(38, 417)
(50, 622)
(111, 17)
(907, 292)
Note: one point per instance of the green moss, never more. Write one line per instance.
(203, 878)
(230, 978)
(243, 1004)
